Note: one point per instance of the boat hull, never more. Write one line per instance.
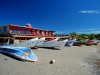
(54, 43)
(23, 53)
(28, 43)
(70, 42)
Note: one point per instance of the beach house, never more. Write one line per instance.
(22, 33)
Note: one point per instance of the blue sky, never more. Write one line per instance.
(62, 16)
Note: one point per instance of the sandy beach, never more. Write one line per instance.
(73, 60)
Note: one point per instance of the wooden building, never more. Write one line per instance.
(18, 32)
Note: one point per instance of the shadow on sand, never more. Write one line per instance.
(67, 46)
(13, 57)
(34, 48)
(51, 48)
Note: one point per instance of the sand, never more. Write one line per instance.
(68, 61)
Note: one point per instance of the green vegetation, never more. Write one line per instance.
(84, 36)
(97, 36)
(73, 35)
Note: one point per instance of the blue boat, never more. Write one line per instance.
(70, 42)
(23, 53)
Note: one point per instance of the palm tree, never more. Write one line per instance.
(73, 35)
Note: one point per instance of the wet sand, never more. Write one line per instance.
(73, 60)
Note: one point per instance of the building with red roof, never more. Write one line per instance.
(24, 32)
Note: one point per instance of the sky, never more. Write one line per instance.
(62, 16)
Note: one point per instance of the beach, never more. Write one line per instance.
(68, 61)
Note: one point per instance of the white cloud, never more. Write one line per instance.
(89, 32)
(91, 29)
(86, 29)
(89, 11)
(80, 31)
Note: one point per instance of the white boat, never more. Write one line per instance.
(44, 43)
(53, 43)
(28, 43)
(39, 42)
(60, 43)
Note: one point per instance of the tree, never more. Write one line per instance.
(83, 36)
(73, 35)
(97, 36)
(92, 36)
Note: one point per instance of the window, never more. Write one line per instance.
(0, 30)
(21, 31)
(24, 31)
(5, 28)
(15, 31)
(28, 32)
(44, 33)
(40, 32)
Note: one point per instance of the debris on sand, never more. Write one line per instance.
(52, 61)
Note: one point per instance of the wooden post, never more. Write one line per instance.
(13, 40)
(25, 39)
(1, 40)
(4, 40)
(8, 40)
(20, 40)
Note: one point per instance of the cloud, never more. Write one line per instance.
(86, 29)
(89, 32)
(91, 29)
(89, 11)
(81, 31)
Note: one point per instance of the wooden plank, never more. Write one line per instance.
(7, 37)
(19, 36)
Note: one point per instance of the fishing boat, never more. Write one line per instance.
(39, 42)
(70, 42)
(80, 42)
(61, 43)
(27, 43)
(53, 43)
(22, 53)
(48, 42)
(92, 42)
